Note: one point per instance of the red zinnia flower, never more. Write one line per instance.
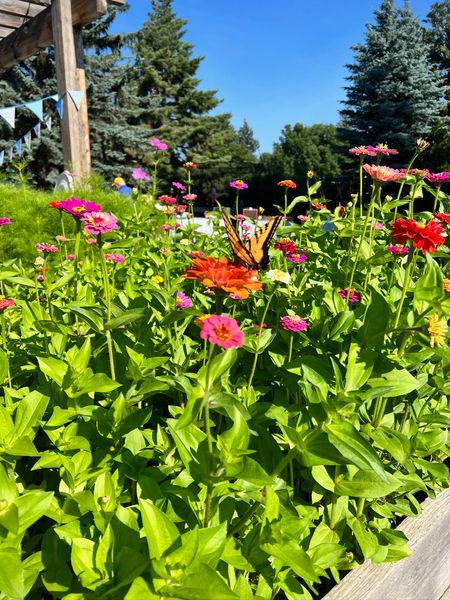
(318, 205)
(426, 236)
(285, 245)
(5, 302)
(220, 274)
(287, 183)
(442, 217)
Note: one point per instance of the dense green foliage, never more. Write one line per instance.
(395, 93)
(139, 461)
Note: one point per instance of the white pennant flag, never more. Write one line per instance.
(36, 107)
(9, 114)
(77, 97)
(48, 122)
(54, 97)
(37, 130)
(9, 152)
(27, 139)
(2, 156)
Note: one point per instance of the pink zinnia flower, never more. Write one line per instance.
(382, 174)
(190, 197)
(179, 186)
(303, 218)
(222, 331)
(5, 302)
(376, 225)
(180, 209)
(293, 323)
(166, 199)
(99, 222)
(40, 277)
(183, 301)
(115, 258)
(158, 144)
(166, 227)
(238, 184)
(71, 257)
(77, 208)
(46, 248)
(91, 241)
(438, 178)
(296, 257)
(4, 221)
(139, 175)
(353, 296)
(363, 151)
(61, 239)
(397, 249)
(381, 149)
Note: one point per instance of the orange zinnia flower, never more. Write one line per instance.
(287, 183)
(220, 274)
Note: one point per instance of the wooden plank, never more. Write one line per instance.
(5, 31)
(37, 32)
(70, 76)
(83, 111)
(20, 8)
(9, 20)
(425, 575)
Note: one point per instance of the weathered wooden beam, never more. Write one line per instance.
(425, 575)
(5, 31)
(37, 33)
(70, 76)
(9, 20)
(20, 8)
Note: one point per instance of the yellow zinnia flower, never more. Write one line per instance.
(437, 330)
(156, 279)
(446, 285)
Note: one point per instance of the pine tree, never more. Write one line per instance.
(395, 92)
(246, 137)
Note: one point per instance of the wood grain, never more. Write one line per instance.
(425, 575)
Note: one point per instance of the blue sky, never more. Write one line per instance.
(273, 62)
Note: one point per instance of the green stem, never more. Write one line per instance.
(436, 199)
(375, 188)
(209, 440)
(371, 237)
(261, 325)
(5, 345)
(402, 185)
(333, 516)
(108, 309)
(405, 286)
(378, 414)
(360, 507)
(237, 211)
(361, 162)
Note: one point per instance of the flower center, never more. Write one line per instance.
(223, 333)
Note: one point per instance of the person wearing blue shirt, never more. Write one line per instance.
(121, 187)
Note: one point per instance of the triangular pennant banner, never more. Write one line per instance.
(36, 107)
(19, 147)
(48, 122)
(27, 139)
(54, 97)
(9, 152)
(76, 97)
(37, 130)
(60, 107)
(9, 114)
(2, 156)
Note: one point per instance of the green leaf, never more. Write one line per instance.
(12, 583)
(354, 447)
(32, 506)
(98, 382)
(53, 368)
(139, 590)
(291, 555)
(219, 365)
(3, 366)
(366, 539)
(30, 411)
(376, 321)
(360, 365)
(204, 583)
(125, 318)
(161, 533)
(367, 484)
(398, 381)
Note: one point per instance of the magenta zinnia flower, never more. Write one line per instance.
(77, 208)
(293, 323)
(4, 221)
(438, 178)
(363, 151)
(71, 257)
(353, 296)
(99, 222)
(115, 258)
(190, 197)
(158, 144)
(179, 186)
(222, 331)
(46, 248)
(238, 184)
(165, 199)
(397, 249)
(296, 257)
(380, 149)
(139, 175)
(166, 227)
(183, 301)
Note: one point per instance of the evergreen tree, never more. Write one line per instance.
(438, 38)
(395, 92)
(246, 137)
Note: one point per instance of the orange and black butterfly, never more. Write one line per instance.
(252, 253)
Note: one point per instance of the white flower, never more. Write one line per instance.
(184, 242)
(278, 275)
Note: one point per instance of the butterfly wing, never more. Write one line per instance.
(258, 245)
(241, 253)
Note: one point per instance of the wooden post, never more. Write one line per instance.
(70, 76)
